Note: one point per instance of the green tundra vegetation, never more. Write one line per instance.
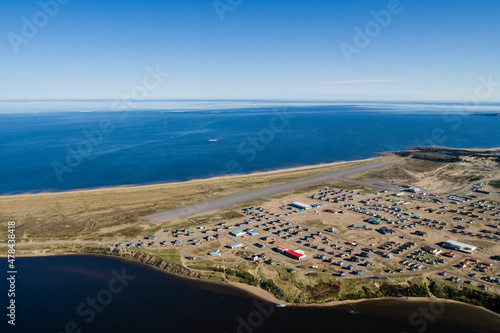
(447, 155)
(467, 295)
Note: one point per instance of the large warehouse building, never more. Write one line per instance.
(300, 205)
(237, 233)
(454, 245)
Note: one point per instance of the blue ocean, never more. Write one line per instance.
(60, 151)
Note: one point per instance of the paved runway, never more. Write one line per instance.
(261, 193)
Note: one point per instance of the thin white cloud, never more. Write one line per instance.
(361, 81)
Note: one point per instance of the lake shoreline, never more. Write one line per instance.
(264, 295)
(255, 291)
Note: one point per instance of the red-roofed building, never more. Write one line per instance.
(295, 255)
(282, 249)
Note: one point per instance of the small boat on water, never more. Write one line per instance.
(280, 305)
(212, 140)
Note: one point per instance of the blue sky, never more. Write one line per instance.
(430, 50)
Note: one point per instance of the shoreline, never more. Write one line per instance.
(263, 294)
(255, 291)
(196, 180)
(378, 155)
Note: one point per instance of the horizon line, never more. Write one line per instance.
(409, 101)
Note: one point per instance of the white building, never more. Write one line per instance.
(235, 245)
(454, 245)
(237, 233)
(215, 253)
(300, 205)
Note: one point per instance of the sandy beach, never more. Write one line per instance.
(194, 181)
(257, 292)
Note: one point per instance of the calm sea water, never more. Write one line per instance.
(54, 291)
(64, 151)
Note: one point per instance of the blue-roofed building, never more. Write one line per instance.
(235, 245)
(237, 233)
